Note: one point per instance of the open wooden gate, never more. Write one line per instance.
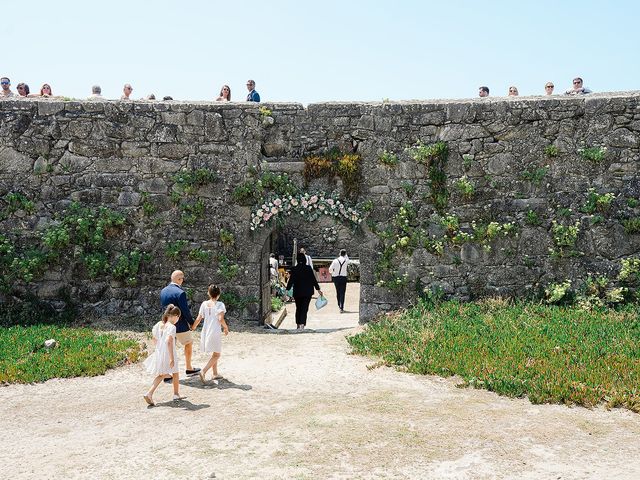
(265, 283)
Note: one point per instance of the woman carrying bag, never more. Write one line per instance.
(303, 281)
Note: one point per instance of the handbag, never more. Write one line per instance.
(321, 302)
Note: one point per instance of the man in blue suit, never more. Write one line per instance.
(175, 295)
(253, 95)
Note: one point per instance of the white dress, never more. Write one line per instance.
(158, 362)
(211, 338)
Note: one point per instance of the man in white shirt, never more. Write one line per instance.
(273, 268)
(338, 271)
(309, 259)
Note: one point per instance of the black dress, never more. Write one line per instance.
(303, 281)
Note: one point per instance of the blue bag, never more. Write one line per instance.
(321, 302)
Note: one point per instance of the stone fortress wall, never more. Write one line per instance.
(512, 199)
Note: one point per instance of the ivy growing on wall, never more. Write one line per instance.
(80, 231)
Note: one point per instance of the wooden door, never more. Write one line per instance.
(265, 283)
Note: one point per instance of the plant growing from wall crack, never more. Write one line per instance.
(435, 157)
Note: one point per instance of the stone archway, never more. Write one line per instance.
(360, 248)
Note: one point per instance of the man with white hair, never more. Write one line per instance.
(174, 294)
(96, 93)
(126, 91)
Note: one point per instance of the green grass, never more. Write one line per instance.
(80, 352)
(550, 354)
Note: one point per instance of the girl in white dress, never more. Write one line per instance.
(212, 311)
(163, 362)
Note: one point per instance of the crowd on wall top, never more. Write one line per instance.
(225, 92)
(96, 92)
(577, 88)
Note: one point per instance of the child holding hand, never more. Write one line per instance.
(212, 311)
(163, 362)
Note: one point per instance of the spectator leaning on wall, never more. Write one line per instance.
(577, 88)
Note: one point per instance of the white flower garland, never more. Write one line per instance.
(309, 206)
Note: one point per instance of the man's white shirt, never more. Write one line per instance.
(339, 266)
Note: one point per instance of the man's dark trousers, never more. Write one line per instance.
(341, 288)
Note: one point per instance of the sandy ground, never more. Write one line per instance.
(298, 406)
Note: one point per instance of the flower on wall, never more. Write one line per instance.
(309, 206)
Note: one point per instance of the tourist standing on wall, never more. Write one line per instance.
(578, 88)
(253, 95)
(6, 87)
(225, 94)
(126, 91)
(338, 271)
(173, 294)
(302, 280)
(23, 89)
(96, 93)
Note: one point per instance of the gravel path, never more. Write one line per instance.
(298, 406)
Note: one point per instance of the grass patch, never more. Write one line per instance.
(80, 352)
(550, 354)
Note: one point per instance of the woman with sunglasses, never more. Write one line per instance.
(513, 91)
(45, 91)
(225, 94)
(548, 88)
(23, 89)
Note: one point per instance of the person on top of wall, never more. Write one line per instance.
(23, 89)
(578, 88)
(96, 93)
(126, 91)
(6, 87)
(45, 91)
(253, 95)
(225, 94)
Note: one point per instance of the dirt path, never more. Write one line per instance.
(298, 406)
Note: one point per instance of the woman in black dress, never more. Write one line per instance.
(303, 281)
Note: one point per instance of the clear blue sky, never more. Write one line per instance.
(319, 51)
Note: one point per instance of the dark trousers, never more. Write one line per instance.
(341, 289)
(302, 307)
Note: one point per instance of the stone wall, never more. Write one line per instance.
(132, 157)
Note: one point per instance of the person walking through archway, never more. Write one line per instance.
(338, 271)
(303, 281)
